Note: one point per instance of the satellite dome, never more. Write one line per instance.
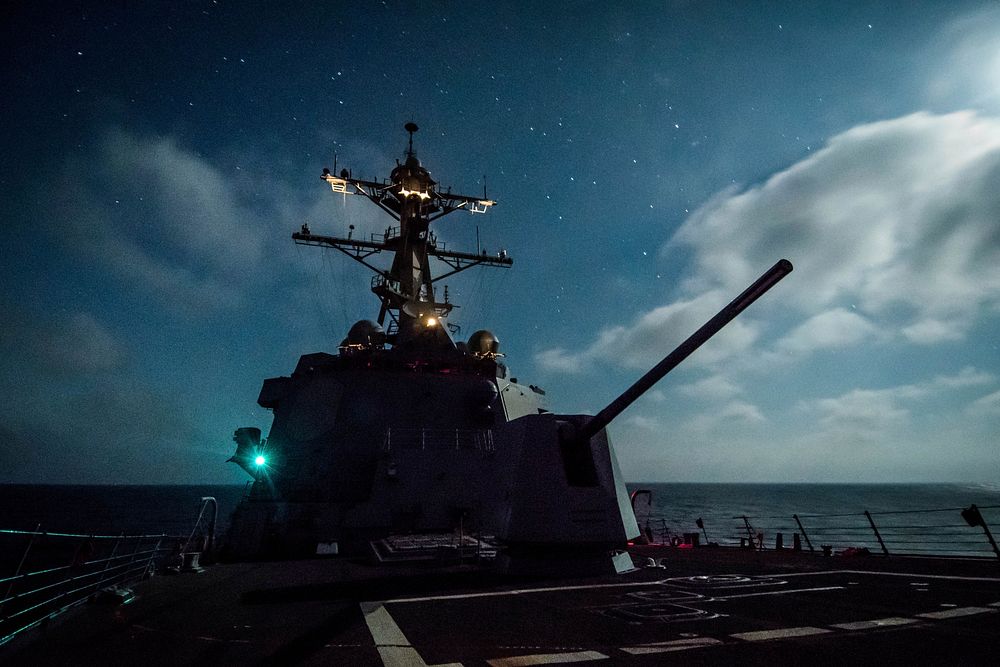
(365, 332)
(484, 342)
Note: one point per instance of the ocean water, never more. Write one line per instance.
(911, 517)
(111, 510)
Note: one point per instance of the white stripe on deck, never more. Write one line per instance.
(780, 633)
(875, 623)
(525, 591)
(957, 612)
(546, 659)
(781, 592)
(671, 646)
(393, 646)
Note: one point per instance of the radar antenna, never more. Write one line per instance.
(411, 197)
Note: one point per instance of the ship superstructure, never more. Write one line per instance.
(404, 430)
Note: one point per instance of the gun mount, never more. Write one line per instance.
(769, 279)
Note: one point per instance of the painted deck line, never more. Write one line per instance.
(874, 623)
(384, 630)
(993, 604)
(793, 590)
(523, 591)
(546, 659)
(958, 612)
(393, 647)
(780, 633)
(671, 646)
(911, 575)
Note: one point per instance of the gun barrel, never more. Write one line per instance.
(768, 280)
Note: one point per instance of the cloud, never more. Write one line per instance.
(77, 344)
(103, 434)
(970, 66)
(892, 227)
(895, 217)
(162, 219)
(714, 387)
(652, 335)
(862, 409)
(732, 414)
(80, 343)
(874, 410)
(832, 329)
(986, 406)
(74, 412)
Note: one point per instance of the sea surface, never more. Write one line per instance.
(910, 517)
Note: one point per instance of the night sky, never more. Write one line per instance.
(649, 160)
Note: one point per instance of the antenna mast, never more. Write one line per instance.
(412, 199)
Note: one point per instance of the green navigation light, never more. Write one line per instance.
(260, 460)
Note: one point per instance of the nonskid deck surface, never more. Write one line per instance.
(710, 606)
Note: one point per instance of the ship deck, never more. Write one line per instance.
(707, 606)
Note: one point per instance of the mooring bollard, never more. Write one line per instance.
(779, 541)
(796, 542)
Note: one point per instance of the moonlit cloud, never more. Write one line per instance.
(897, 217)
(712, 387)
(986, 406)
(837, 328)
(730, 414)
(73, 345)
(102, 424)
(79, 344)
(873, 410)
(653, 334)
(970, 68)
(892, 228)
(160, 218)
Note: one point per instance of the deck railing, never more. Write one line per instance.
(51, 572)
(57, 571)
(954, 531)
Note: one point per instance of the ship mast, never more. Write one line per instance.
(412, 198)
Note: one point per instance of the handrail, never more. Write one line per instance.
(89, 537)
(68, 569)
(949, 531)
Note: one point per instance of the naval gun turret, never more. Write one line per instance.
(404, 431)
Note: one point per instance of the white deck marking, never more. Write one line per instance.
(993, 604)
(892, 574)
(546, 659)
(780, 633)
(383, 628)
(523, 591)
(393, 646)
(958, 612)
(793, 590)
(675, 645)
(875, 623)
